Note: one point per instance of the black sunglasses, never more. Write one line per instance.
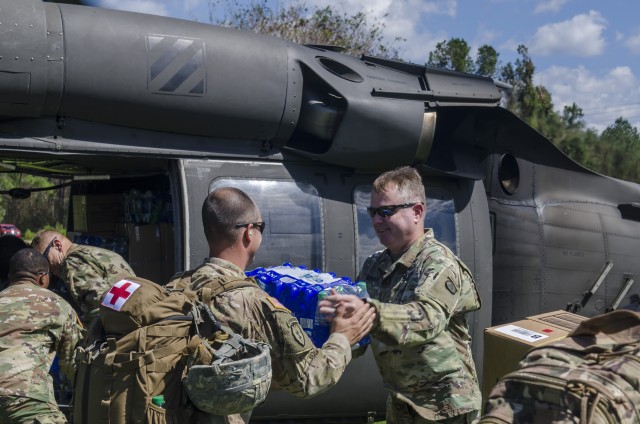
(388, 210)
(259, 225)
(49, 246)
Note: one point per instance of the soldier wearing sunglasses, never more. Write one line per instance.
(234, 228)
(421, 292)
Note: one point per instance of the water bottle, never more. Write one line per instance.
(55, 375)
(345, 286)
(293, 297)
(284, 286)
(361, 290)
(308, 304)
(362, 293)
(358, 289)
(321, 327)
(255, 272)
(158, 401)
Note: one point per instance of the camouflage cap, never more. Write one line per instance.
(236, 381)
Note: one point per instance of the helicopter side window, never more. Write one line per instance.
(292, 212)
(441, 216)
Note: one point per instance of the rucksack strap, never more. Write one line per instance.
(611, 334)
(180, 281)
(221, 284)
(203, 317)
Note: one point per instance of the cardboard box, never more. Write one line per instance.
(145, 250)
(167, 252)
(96, 214)
(505, 345)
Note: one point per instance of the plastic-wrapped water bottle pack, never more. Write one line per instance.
(300, 289)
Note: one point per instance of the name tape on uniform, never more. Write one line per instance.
(118, 295)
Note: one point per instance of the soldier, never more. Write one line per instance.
(36, 325)
(233, 228)
(85, 270)
(9, 244)
(421, 292)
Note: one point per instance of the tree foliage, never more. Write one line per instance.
(622, 133)
(452, 54)
(356, 33)
(572, 117)
(455, 54)
(615, 152)
(40, 209)
(487, 61)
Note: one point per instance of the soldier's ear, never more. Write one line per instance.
(246, 236)
(43, 280)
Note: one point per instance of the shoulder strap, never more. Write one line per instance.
(222, 284)
(180, 281)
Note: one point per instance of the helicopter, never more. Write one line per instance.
(109, 101)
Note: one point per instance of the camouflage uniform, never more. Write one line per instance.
(36, 325)
(87, 272)
(420, 340)
(298, 366)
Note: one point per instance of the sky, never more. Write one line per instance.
(585, 51)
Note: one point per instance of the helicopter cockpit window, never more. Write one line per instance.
(293, 215)
(441, 216)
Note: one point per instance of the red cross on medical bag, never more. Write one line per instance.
(132, 303)
(117, 296)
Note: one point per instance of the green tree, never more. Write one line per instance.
(622, 133)
(618, 151)
(572, 117)
(531, 102)
(520, 76)
(42, 207)
(455, 54)
(356, 33)
(615, 153)
(452, 54)
(487, 61)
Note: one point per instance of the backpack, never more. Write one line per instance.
(157, 355)
(137, 349)
(590, 377)
(239, 376)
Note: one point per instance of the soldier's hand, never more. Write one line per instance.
(354, 320)
(328, 305)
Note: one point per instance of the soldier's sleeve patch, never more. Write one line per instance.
(119, 293)
(450, 286)
(276, 303)
(296, 331)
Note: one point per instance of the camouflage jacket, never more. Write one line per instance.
(87, 272)
(298, 366)
(421, 339)
(36, 324)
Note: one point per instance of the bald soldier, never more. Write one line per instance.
(233, 228)
(35, 325)
(85, 270)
